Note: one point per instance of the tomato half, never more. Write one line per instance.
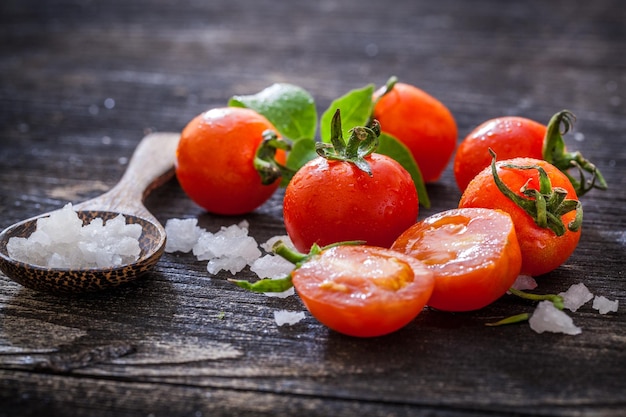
(215, 160)
(542, 249)
(330, 201)
(473, 253)
(363, 291)
(509, 137)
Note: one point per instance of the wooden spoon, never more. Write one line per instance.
(151, 165)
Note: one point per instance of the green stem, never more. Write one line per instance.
(546, 205)
(557, 300)
(554, 152)
(265, 162)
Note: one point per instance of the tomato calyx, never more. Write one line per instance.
(362, 142)
(265, 162)
(265, 285)
(554, 152)
(557, 300)
(546, 205)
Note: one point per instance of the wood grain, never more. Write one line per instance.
(81, 82)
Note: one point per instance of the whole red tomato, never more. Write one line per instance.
(509, 137)
(419, 121)
(473, 253)
(515, 137)
(329, 201)
(215, 160)
(542, 203)
(349, 193)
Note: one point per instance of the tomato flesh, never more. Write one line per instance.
(363, 291)
(473, 253)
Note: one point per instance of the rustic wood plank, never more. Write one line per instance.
(181, 342)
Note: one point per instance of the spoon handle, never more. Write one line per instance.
(151, 165)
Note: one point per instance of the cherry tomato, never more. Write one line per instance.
(473, 253)
(419, 121)
(362, 290)
(215, 160)
(547, 233)
(330, 201)
(509, 137)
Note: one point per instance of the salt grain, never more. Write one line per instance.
(576, 296)
(62, 241)
(548, 318)
(182, 235)
(283, 317)
(604, 305)
(524, 282)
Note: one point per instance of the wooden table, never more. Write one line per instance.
(81, 82)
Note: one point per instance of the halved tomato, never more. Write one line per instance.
(363, 290)
(473, 253)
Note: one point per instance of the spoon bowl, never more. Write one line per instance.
(152, 164)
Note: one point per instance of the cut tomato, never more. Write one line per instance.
(473, 253)
(363, 290)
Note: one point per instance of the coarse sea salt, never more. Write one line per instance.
(548, 318)
(283, 317)
(576, 296)
(62, 241)
(273, 267)
(182, 235)
(524, 282)
(604, 305)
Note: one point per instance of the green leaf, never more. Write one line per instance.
(290, 108)
(392, 147)
(355, 107)
(301, 152)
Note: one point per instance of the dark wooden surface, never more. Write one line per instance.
(183, 343)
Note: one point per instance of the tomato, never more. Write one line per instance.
(419, 121)
(509, 137)
(515, 137)
(547, 237)
(362, 290)
(473, 253)
(329, 201)
(215, 160)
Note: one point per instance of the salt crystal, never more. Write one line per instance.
(604, 305)
(524, 282)
(274, 267)
(267, 246)
(283, 317)
(548, 318)
(271, 266)
(233, 264)
(576, 296)
(61, 241)
(182, 235)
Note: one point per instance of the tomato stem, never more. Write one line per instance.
(546, 205)
(265, 162)
(362, 142)
(554, 152)
(557, 300)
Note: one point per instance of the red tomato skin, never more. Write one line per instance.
(215, 160)
(472, 275)
(334, 201)
(342, 289)
(542, 250)
(509, 137)
(422, 123)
